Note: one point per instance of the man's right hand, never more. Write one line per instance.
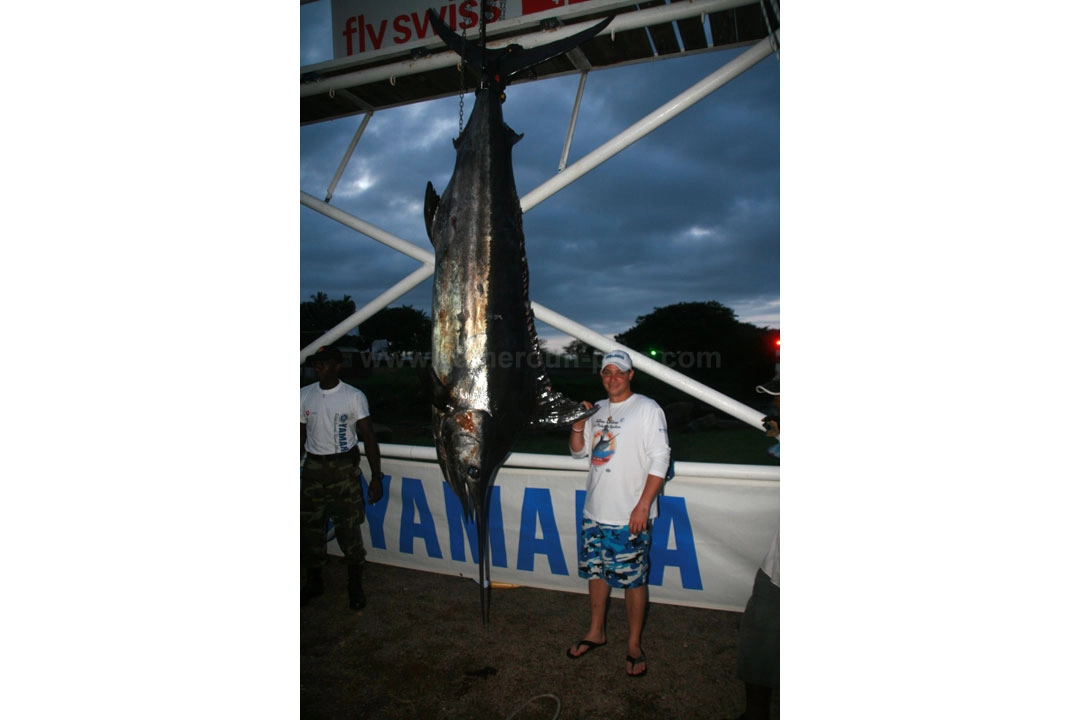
(375, 489)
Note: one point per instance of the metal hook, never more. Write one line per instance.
(393, 81)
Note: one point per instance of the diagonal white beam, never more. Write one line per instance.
(573, 120)
(418, 276)
(405, 247)
(647, 365)
(650, 122)
(348, 154)
(365, 228)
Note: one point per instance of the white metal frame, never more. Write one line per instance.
(560, 462)
(411, 66)
(565, 176)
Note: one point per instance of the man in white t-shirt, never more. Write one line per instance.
(333, 418)
(627, 443)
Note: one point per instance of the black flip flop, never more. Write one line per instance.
(589, 647)
(636, 661)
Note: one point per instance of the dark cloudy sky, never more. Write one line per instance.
(689, 213)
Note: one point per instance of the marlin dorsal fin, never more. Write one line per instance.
(431, 205)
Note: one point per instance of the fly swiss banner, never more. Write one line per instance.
(377, 27)
(708, 540)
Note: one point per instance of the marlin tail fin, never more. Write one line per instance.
(503, 64)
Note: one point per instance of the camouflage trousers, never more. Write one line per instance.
(330, 489)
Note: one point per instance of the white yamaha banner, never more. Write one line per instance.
(708, 541)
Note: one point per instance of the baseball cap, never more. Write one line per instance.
(618, 358)
(327, 353)
(772, 387)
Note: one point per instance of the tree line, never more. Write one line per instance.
(405, 328)
(704, 340)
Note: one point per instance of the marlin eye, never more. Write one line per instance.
(474, 472)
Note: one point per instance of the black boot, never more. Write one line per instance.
(313, 586)
(357, 601)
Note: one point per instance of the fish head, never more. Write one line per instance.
(465, 443)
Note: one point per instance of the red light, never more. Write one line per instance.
(777, 342)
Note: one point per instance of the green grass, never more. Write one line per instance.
(399, 401)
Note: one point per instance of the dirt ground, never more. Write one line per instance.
(420, 650)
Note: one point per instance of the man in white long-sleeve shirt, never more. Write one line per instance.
(627, 442)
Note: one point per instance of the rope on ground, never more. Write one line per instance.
(558, 705)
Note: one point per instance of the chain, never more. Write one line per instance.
(461, 95)
(461, 65)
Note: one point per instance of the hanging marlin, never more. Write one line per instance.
(489, 380)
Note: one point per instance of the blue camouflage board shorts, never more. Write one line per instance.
(612, 554)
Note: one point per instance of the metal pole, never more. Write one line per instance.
(365, 228)
(348, 154)
(405, 285)
(757, 52)
(573, 120)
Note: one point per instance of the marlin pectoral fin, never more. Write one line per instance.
(553, 409)
(441, 398)
(431, 205)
